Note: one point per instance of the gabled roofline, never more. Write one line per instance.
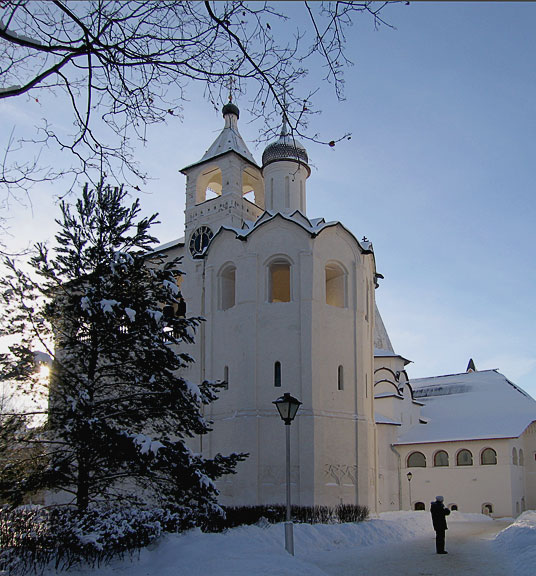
(313, 227)
(460, 374)
(212, 158)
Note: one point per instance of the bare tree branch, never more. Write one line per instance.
(120, 66)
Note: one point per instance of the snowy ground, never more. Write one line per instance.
(395, 543)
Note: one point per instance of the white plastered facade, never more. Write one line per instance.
(289, 306)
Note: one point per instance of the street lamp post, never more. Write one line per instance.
(287, 406)
(409, 477)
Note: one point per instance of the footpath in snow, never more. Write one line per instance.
(395, 543)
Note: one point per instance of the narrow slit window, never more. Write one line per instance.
(277, 374)
(367, 304)
(226, 377)
(340, 378)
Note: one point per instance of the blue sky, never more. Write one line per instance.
(439, 174)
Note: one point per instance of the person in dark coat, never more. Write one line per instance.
(439, 512)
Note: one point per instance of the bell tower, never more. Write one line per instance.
(225, 187)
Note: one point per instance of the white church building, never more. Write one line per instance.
(289, 306)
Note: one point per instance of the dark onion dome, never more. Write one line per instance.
(231, 108)
(286, 147)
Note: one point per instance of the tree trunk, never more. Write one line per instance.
(82, 487)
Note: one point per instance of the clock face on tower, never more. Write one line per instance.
(199, 240)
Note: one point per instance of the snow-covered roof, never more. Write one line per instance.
(379, 419)
(381, 353)
(389, 395)
(168, 245)
(229, 140)
(313, 226)
(470, 406)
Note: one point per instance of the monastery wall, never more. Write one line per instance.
(469, 487)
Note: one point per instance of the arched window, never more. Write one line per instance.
(514, 456)
(277, 374)
(335, 285)
(464, 458)
(416, 460)
(521, 457)
(419, 506)
(453, 507)
(441, 458)
(279, 281)
(488, 457)
(340, 378)
(228, 287)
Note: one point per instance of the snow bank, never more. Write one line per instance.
(456, 516)
(519, 542)
(260, 549)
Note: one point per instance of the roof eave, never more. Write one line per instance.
(212, 158)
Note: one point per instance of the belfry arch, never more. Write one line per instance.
(253, 186)
(209, 184)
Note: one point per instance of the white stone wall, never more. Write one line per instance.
(389, 479)
(334, 428)
(285, 187)
(344, 429)
(333, 437)
(469, 487)
(529, 444)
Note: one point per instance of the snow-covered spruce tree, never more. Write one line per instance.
(119, 412)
